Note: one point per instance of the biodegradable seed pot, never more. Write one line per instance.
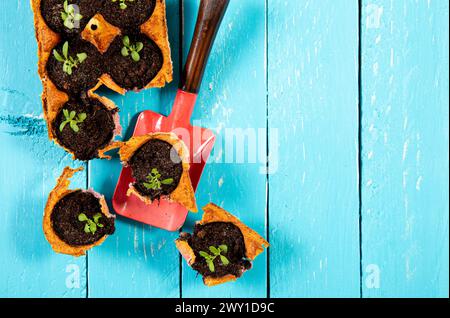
(85, 126)
(127, 15)
(160, 167)
(133, 61)
(69, 17)
(75, 66)
(221, 248)
(78, 220)
(75, 220)
(156, 168)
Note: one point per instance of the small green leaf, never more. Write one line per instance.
(126, 40)
(97, 217)
(78, 17)
(82, 117)
(214, 250)
(67, 68)
(87, 229)
(70, 9)
(93, 227)
(167, 181)
(65, 49)
(82, 217)
(135, 56)
(72, 114)
(223, 248)
(224, 260)
(123, 6)
(66, 5)
(64, 16)
(74, 126)
(63, 124)
(125, 51)
(148, 186)
(66, 113)
(58, 56)
(139, 46)
(69, 24)
(204, 254)
(81, 57)
(211, 265)
(155, 171)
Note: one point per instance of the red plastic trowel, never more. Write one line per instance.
(200, 141)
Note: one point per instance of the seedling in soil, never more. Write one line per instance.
(69, 16)
(68, 61)
(122, 3)
(155, 182)
(130, 49)
(91, 225)
(216, 252)
(72, 119)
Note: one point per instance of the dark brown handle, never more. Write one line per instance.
(209, 18)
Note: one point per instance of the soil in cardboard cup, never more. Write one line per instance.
(128, 73)
(216, 234)
(128, 15)
(53, 12)
(84, 75)
(159, 155)
(94, 133)
(66, 223)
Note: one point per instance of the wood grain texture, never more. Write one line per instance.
(138, 261)
(233, 96)
(313, 191)
(405, 148)
(30, 166)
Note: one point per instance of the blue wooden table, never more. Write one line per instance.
(349, 102)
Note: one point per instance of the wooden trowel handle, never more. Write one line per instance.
(209, 18)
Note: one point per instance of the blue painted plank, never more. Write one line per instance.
(138, 261)
(30, 166)
(233, 96)
(405, 143)
(313, 114)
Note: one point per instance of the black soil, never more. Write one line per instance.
(65, 221)
(216, 234)
(95, 132)
(130, 74)
(156, 154)
(129, 19)
(51, 12)
(85, 76)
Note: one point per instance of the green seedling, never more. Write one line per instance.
(91, 225)
(216, 252)
(130, 49)
(155, 182)
(68, 61)
(72, 119)
(69, 16)
(122, 3)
